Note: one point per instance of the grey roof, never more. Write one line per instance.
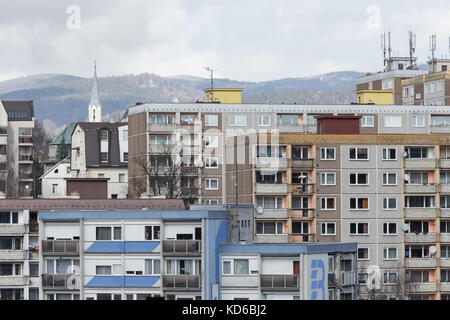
(19, 110)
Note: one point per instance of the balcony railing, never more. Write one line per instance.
(25, 139)
(303, 163)
(420, 163)
(273, 214)
(297, 128)
(272, 238)
(25, 157)
(302, 213)
(444, 163)
(271, 162)
(420, 262)
(12, 229)
(163, 127)
(182, 247)
(301, 237)
(279, 282)
(188, 192)
(445, 237)
(184, 281)
(348, 278)
(13, 254)
(60, 281)
(421, 287)
(58, 247)
(426, 213)
(420, 237)
(190, 170)
(12, 280)
(420, 188)
(302, 188)
(25, 175)
(271, 188)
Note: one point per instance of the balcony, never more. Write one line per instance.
(183, 282)
(420, 188)
(444, 237)
(301, 213)
(301, 237)
(306, 189)
(303, 164)
(182, 247)
(25, 157)
(272, 238)
(240, 281)
(167, 149)
(163, 127)
(191, 149)
(12, 280)
(187, 171)
(445, 286)
(297, 128)
(12, 229)
(426, 164)
(445, 262)
(445, 212)
(444, 163)
(279, 282)
(60, 281)
(13, 255)
(187, 192)
(420, 262)
(444, 188)
(25, 175)
(348, 278)
(272, 214)
(271, 162)
(271, 188)
(421, 213)
(421, 287)
(60, 247)
(420, 237)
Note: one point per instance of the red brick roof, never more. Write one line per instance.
(91, 204)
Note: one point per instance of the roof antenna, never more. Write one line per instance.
(412, 48)
(211, 71)
(432, 49)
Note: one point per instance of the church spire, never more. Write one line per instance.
(95, 108)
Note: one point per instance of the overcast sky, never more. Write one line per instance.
(252, 40)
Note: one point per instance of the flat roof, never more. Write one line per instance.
(289, 248)
(143, 214)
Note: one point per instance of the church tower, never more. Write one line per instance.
(95, 108)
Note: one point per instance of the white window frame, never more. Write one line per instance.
(208, 184)
(358, 184)
(208, 161)
(368, 254)
(414, 121)
(387, 204)
(213, 123)
(262, 122)
(153, 262)
(237, 120)
(356, 154)
(324, 149)
(388, 224)
(358, 209)
(386, 253)
(327, 209)
(367, 124)
(387, 179)
(390, 283)
(326, 229)
(357, 233)
(388, 122)
(385, 154)
(209, 139)
(325, 175)
(230, 261)
(212, 201)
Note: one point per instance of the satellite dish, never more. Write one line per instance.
(406, 176)
(259, 210)
(405, 227)
(433, 250)
(27, 187)
(404, 154)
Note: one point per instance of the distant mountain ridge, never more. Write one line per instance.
(65, 98)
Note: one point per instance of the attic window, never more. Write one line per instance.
(56, 170)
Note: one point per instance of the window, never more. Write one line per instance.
(445, 226)
(104, 135)
(241, 266)
(415, 276)
(211, 141)
(389, 203)
(10, 269)
(287, 119)
(389, 154)
(152, 232)
(9, 217)
(269, 227)
(300, 228)
(417, 152)
(122, 177)
(100, 175)
(54, 189)
(328, 229)
(393, 121)
(152, 266)
(187, 119)
(445, 202)
(103, 270)
(363, 253)
(390, 253)
(417, 177)
(389, 278)
(445, 251)
(269, 177)
(417, 252)
(389, 179)
(367, 121)
(104, 156)
(211, 184)
(359, 228)
(211, 120)
(389, 228)
(418, 227)
(34, 269)
(359, 203)
(105, 233)
(327, 153)
(418, 121)
(363, 277)
(264, 120)
(211, 163)
(226, 267)
(270, 152)
(161, 119)
(160, 140)
(444, 177)
(328, 179)
(269, 202)
(420, 202)
(359, 154)
(359, 178)
(125, 157)
(328, 203)
(300, 153)
(211, 201)
(237, 120)
(125, 135)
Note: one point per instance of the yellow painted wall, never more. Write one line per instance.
(383, 97)
(228, 95)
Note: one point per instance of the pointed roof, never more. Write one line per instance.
(95, 101)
